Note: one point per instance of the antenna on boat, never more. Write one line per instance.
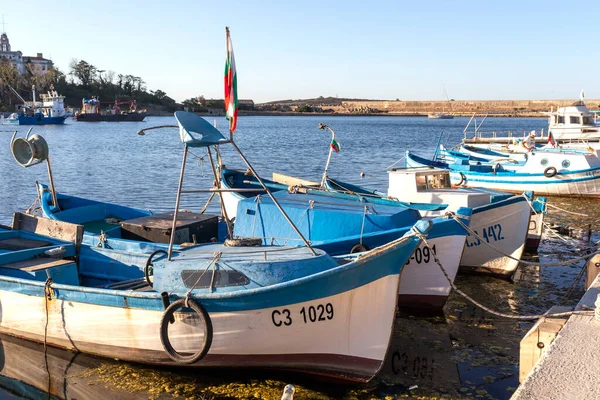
(332, 147)
(30, 151)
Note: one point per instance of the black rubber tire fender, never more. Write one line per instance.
(149, 263)
(462, 179)
(164, 331)
(358, 248)
(550, 172)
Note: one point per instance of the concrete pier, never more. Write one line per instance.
(570, 368)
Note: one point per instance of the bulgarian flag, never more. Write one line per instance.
(335, 145)
(231, 98)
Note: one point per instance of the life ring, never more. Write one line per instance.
(148, 264)
(358, 248)
(550, 172)
(462, 179)
(164, 331)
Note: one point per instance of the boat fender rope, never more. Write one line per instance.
(358, 248)
(149, 264)
(489, 310)
(189, 303)
(550, 172)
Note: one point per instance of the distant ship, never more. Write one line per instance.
(49, 111)
(91, 112)
(440, 116)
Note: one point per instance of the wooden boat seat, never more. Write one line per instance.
(14, 244)
(37, 264)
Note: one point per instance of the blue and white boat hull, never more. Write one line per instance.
(503, 226)
(333, 317)
(41, 120)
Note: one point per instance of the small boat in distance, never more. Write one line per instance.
(443, 114)
(91, 111)
(440, 116)
(49, 111)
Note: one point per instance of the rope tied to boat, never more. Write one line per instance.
(452, 214)
(102, 239)
(566, 211)
(48, 295)
(555, 264)
(478, 304)
(48, 291)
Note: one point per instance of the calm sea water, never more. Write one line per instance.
(110, 162)
(464, 353)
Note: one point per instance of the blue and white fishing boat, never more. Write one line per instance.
(49, 111)
(346, 225)
(284, 307)
(564, 174)
(310, 316)
(502, 219)
(12, 119)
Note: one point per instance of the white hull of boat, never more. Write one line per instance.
(357, 330)
(505, 229)
(422, 282)
(231, 200)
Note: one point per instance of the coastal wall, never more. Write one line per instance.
(459, 107)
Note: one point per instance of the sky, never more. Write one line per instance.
(407, 50)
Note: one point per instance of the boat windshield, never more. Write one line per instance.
(589, 121)
(433, 182)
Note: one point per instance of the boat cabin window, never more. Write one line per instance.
(561, 119)
(588, 121)
(432, 182)
(199, 280)
(574, 120)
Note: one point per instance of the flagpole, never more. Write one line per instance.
(233, 120)
(324, 179)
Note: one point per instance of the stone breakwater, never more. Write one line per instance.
(504, 108)
(462, 107)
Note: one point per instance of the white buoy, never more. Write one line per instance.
(288, 392)
(362, 174)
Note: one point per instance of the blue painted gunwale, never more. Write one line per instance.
(267, 223)
(232, 179)
(360, 271)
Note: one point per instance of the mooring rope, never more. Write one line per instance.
(478, 304)
(48, 293)
(556, 264)
(567, 211)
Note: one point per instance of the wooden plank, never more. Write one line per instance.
(36, 264)
(292, 181)
(593, 270)
(49, 227)
(13, 244)
(535, 343)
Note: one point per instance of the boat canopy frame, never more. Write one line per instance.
(196, 132)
